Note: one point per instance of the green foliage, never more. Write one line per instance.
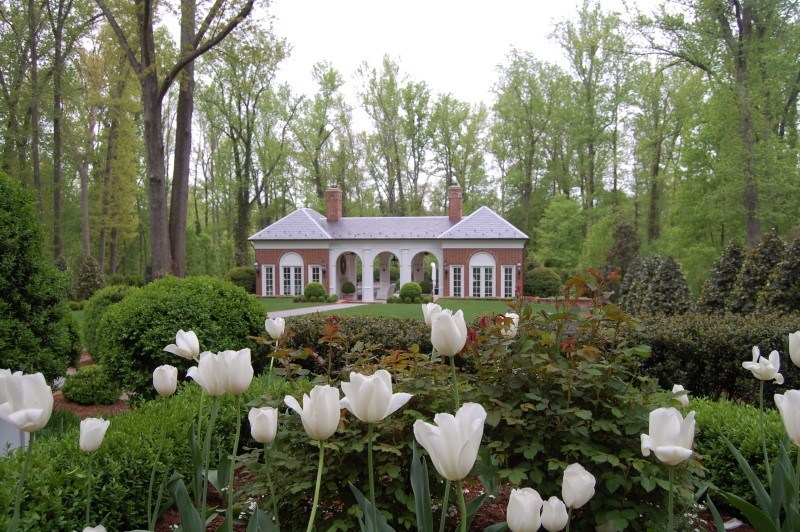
(38, 333)
(90, 279)
(625, 248)
(393, 299)
(96, 308)
(134, 332)
(426, 286)
(716, 292)
(333, 298)
(655, 285)
(314, 290)
(122, 279)
(303, 299)
(782, 292)
(542, 282)
(704, 352)
(348, 288)
(244, 277)
(76, 305)
(755, 272)
(560, 233)
(122, 465)
(410, 290)
(91, 386)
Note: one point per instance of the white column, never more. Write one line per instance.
(405, 266)
(332, 273)
(11, 437)
(367, 291)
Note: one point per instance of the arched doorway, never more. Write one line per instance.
(386, 275)
(347, 269)
(426, 269)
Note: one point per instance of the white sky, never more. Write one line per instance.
(454, 46)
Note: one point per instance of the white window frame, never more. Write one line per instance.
(505, 268)
(292, 263)
(484, 263)
(460, 269)
(267, 289)
(318, 268)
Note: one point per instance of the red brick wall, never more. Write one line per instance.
(273, 257)
(502, 257)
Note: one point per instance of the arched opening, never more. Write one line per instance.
(386, 275)
(482, 275)
(347, 274)
(291, 280)
(426, 269)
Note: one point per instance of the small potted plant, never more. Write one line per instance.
(349, 291)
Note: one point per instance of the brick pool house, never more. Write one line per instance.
(480, 255)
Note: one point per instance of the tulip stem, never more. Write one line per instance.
(198, 437)
(206, 456)
(316, 489)
(153, 511)
(462, 507)
(18, 499)
(231, 514)
(764, 435)
(89, 489)
(456, 397)
(374, 516)
(445, 504)
(569, 519)
(268, 463)
(669, 499)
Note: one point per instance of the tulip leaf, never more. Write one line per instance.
(758, 489)
(197, 463)
(757, 518)
(715, 514)
(422, 493)
(499, 527)
(473, 507)
(366, 506)
(190, 519)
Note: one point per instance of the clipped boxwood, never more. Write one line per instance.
(96, 308)
(348, 287)
(244, 277)
(426, 286)
(410, 291)
(91, 386)
(542, 282)
(134, 332)
(333, 298)
(315, 290)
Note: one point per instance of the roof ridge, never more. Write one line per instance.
(512, 226)
(305, 211)
(462, 220)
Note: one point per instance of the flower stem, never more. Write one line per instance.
(764, 435)
(206, 456)
(569, 519)
(153, 512)
(18, 499)
(231, 515)
(89, 490)
(456, 397)
(198, 437)
(271, 486)
(669, 499)
(462, 507)
(374, 516)
(316, 489)
(445, 504)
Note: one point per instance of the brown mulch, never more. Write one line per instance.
(84, 411)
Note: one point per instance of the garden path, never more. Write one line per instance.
(312, 310)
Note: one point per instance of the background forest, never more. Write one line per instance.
(156, 137)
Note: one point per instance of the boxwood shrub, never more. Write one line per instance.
(315, 290)
(96, 308)
(91, 386)
(410, 291)
(244, 277)
(134, 332)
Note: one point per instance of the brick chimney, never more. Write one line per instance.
(334, 198)
(454, 200)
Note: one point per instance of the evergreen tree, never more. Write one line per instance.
(754, 274)
(655, 285)
(782, 291)
(90, 279)
(716, 291)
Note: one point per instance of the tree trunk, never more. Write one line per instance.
(112, 258)
(58, 66)
(33, 110)
(110, 147)
(83, 171)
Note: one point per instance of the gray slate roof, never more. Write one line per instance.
(308, 224)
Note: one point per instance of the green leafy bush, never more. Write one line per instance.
(91, 386)
(122, 279)
(704, 352)
(782, 292)
(426, 286)
(392, 299)
(348, 288)
(134, 332)
(655, 285)
(38, 333)
(716, 293)
(542, 282)
(96, 308)
(410, 291)
(244, 277)
(303, 299)
(333, 298)
(76, 305)
(314, 290)
(755, 272)
(90, 279)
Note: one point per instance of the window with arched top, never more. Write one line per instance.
(482, 277)
(291, 274)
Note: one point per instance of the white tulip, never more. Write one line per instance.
(523, 513)
(186, 345)
(239, 370)
(448, 332)
(789, 406)
(429, 310)
(28, 401)
(227, 371)
(670, 437)
(510, 331)
(554, 514)
(93, 430)
(263, 424)
(3, 374)
(98, 528)
(454, 441)
(683, 398)
(208, 374)
(370, 398)
(763, 368)
(165, 380)
(577, 486)
(320, 412)
(794, 347)
(275, 327)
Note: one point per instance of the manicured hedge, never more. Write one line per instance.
(96, 308)
(91, 386)
(243, 277)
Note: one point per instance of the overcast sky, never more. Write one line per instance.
(454, 46)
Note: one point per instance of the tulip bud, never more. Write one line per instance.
(510, 331)
(238, 371)
(523, 513)
(275, 327)
(208, 374)
(263, 424)
(454, 441)
(370, 398)
(683, 398)
(429, 310)
(448, 332)
(28, 401)
(93, 430)
(320, 412)
(577, 486)
(186, 345)
(165, 380)
(794, 347)
(670, 437)
(554, 514)
(98, 528)
(789, 406)
(765, 369)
